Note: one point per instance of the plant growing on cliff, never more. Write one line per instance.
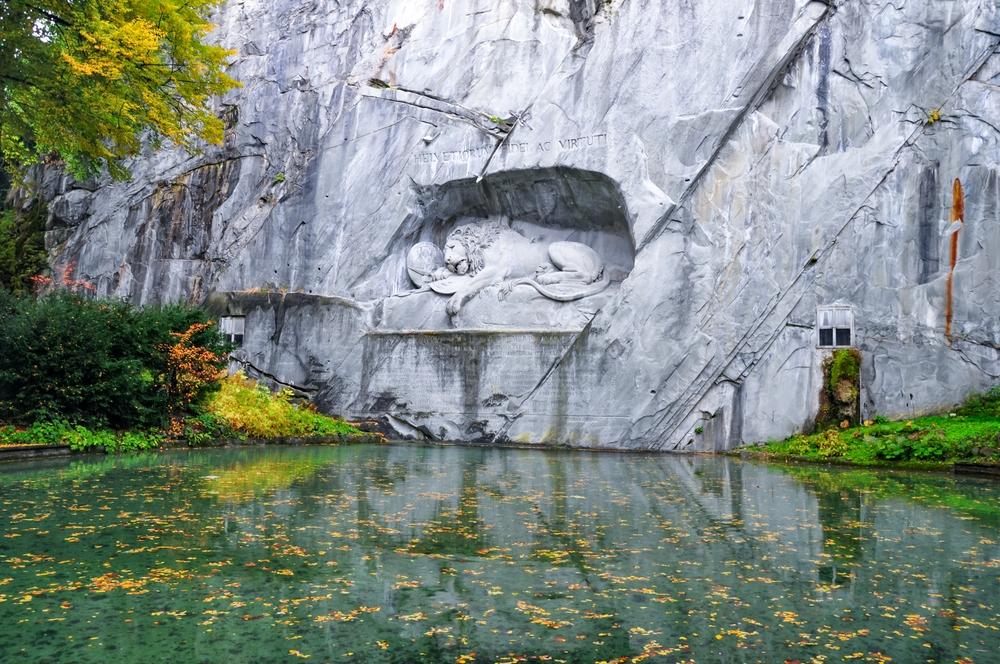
(969, 432)
(845, 365)
(839, 397)
(89, 80)
(22, 247)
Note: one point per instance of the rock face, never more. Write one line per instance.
(735, 164)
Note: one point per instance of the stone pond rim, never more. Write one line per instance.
(737, 174)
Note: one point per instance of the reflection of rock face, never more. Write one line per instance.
(768, 174)
(486, 549)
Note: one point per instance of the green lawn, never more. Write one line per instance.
(968, 433)
(239, 409)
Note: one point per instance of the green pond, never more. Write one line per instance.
(450, 554)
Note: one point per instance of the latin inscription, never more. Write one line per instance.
(537, 147)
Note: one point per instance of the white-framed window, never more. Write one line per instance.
(232, 328)
(835, 326)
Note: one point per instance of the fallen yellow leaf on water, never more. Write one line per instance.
(414, 617)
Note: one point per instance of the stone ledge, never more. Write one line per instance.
(237, 302)
(981, 469)
(340, 439)
(21, 452)
(482, 332)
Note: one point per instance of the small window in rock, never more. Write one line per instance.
(836, 326)
(232, 328)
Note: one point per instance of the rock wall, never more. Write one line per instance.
(736, 163)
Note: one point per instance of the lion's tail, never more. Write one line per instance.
(570, 292)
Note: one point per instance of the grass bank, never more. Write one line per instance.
(88, 373)
(968, 434)
(240, 409)
(243, 409)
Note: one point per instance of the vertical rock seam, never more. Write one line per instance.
(957, 217)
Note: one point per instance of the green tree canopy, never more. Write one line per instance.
(88, 80)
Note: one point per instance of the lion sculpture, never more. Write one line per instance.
(484, 254)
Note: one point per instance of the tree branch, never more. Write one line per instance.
(55, 18)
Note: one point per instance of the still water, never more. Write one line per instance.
(412, 554)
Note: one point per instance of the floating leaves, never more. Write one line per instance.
(339, 616)
(425, 554)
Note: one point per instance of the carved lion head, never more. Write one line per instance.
(464, 249)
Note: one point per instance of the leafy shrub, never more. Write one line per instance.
(982, 405)
(191, 369)
(831, 444)
(79, 438)
(911, 444)
(845, 364)
(22, 246)
(206, 427)
(97, 363)
(890, 448)
(135, 441)
(254, 411)
(40, 433)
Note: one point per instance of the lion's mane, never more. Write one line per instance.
(476, 238)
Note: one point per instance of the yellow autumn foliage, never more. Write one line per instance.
(254, 411)
(94, 79)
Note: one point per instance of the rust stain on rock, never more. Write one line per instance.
(957, 215)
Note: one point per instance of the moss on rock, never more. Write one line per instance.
(839, 400)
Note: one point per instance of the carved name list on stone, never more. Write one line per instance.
(435, 365)
(537, 147)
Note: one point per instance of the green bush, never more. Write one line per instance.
(91, 362)
(40, 433)
(79, 438)
(982, 405)
(22, 247)
(206, 427)
(845, 364)
(254, 411)
(831, 444)
(932, 444)
(969, 432)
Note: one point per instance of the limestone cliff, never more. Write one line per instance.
(737, 163)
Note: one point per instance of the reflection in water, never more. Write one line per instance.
(839, 513)
(402, 554)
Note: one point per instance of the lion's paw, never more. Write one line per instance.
(454, 305)
(549, 278)
(441, 273)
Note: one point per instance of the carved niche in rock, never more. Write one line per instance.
(490, 253)
(529, 250)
